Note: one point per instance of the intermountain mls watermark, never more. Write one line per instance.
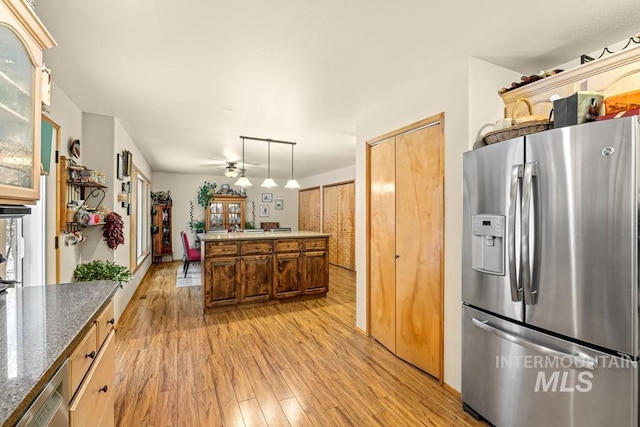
(564, 374)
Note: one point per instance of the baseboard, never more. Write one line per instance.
(453, 391)
(361, 331)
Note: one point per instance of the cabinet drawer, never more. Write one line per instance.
(91, 405)
(217, 249)
(314, 244)
(287, 245)
(253, 248)
(81, 359)
(104, 323)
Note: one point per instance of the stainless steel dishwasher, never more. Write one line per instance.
(51, 407)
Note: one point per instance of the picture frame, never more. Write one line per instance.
(128, 162)
(119, 167)
(264, 211)
(267, 197)
(279, 204)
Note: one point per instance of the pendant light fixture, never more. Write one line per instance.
(292, 183)
(268, 182)
(243, 181)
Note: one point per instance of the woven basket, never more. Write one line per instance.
(526, 125)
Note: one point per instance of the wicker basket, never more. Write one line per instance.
(526, 125)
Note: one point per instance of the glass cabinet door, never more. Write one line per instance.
(16, 112)
(216, 216)
(235, 215)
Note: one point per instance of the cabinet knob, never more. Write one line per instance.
(397, 256)
(90, 355)
(103, 389)
(111, 321)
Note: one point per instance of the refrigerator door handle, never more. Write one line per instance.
(516, 291)
(579, 361)
(530, 296)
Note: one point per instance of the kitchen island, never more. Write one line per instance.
(253, 267)
(42, 325)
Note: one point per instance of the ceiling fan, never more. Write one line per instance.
(231, 170)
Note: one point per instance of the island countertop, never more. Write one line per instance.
(206, 237)
(42, 325)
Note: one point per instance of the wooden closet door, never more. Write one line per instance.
(346, 225)
(330, 220)
(419, 247)
(382, 240)
(309, 209)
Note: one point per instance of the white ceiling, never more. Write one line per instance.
(294, 70)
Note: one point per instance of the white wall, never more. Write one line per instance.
(69, 117)
(448, 89)
(101, 137)
(184, 188)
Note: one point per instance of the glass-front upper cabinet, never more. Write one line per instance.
(225, 213)
(22, 40)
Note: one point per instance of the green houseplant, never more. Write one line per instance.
(101, 270)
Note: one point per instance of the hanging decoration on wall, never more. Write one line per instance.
(74, 148)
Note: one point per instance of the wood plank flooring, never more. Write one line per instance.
(294, 364)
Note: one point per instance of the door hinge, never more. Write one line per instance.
(57, 156)
(55, 242)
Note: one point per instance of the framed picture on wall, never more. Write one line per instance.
(279, 205)
(264, 211)
(119, 167)
(267, 197)
(128, 162)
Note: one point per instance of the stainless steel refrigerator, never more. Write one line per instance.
(550, 278)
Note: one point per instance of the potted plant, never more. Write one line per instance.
(206, 192)
(101, 270)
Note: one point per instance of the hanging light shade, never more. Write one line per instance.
(268, 182)
(243, 181)
(292, 183)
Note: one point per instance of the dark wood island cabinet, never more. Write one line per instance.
(257, 267)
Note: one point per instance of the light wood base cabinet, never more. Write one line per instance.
(92, 371)
(93, 404)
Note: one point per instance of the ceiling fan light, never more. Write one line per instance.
(231, 173)
(269, 183)
(292, 183)
(243, 182)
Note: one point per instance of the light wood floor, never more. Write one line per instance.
(299, 364)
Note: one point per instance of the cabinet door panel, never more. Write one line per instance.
(256, 280)
(82, 358)
(330, 220)
(221, 280)
(315, 272)
(346, 225)
(419, 245)
(91, 405)
(382, 244)
(287, 274)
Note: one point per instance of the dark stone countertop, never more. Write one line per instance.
(39, 328)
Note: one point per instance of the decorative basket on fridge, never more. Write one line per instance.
(520, 126)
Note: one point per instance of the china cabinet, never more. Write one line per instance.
(225, 213)
(23, 38)
(161, 231)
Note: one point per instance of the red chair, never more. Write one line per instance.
(190, 254)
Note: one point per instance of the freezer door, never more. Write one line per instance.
(515, 376)
(490, 209)
(584, 272)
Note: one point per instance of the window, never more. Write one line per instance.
(140, 221)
